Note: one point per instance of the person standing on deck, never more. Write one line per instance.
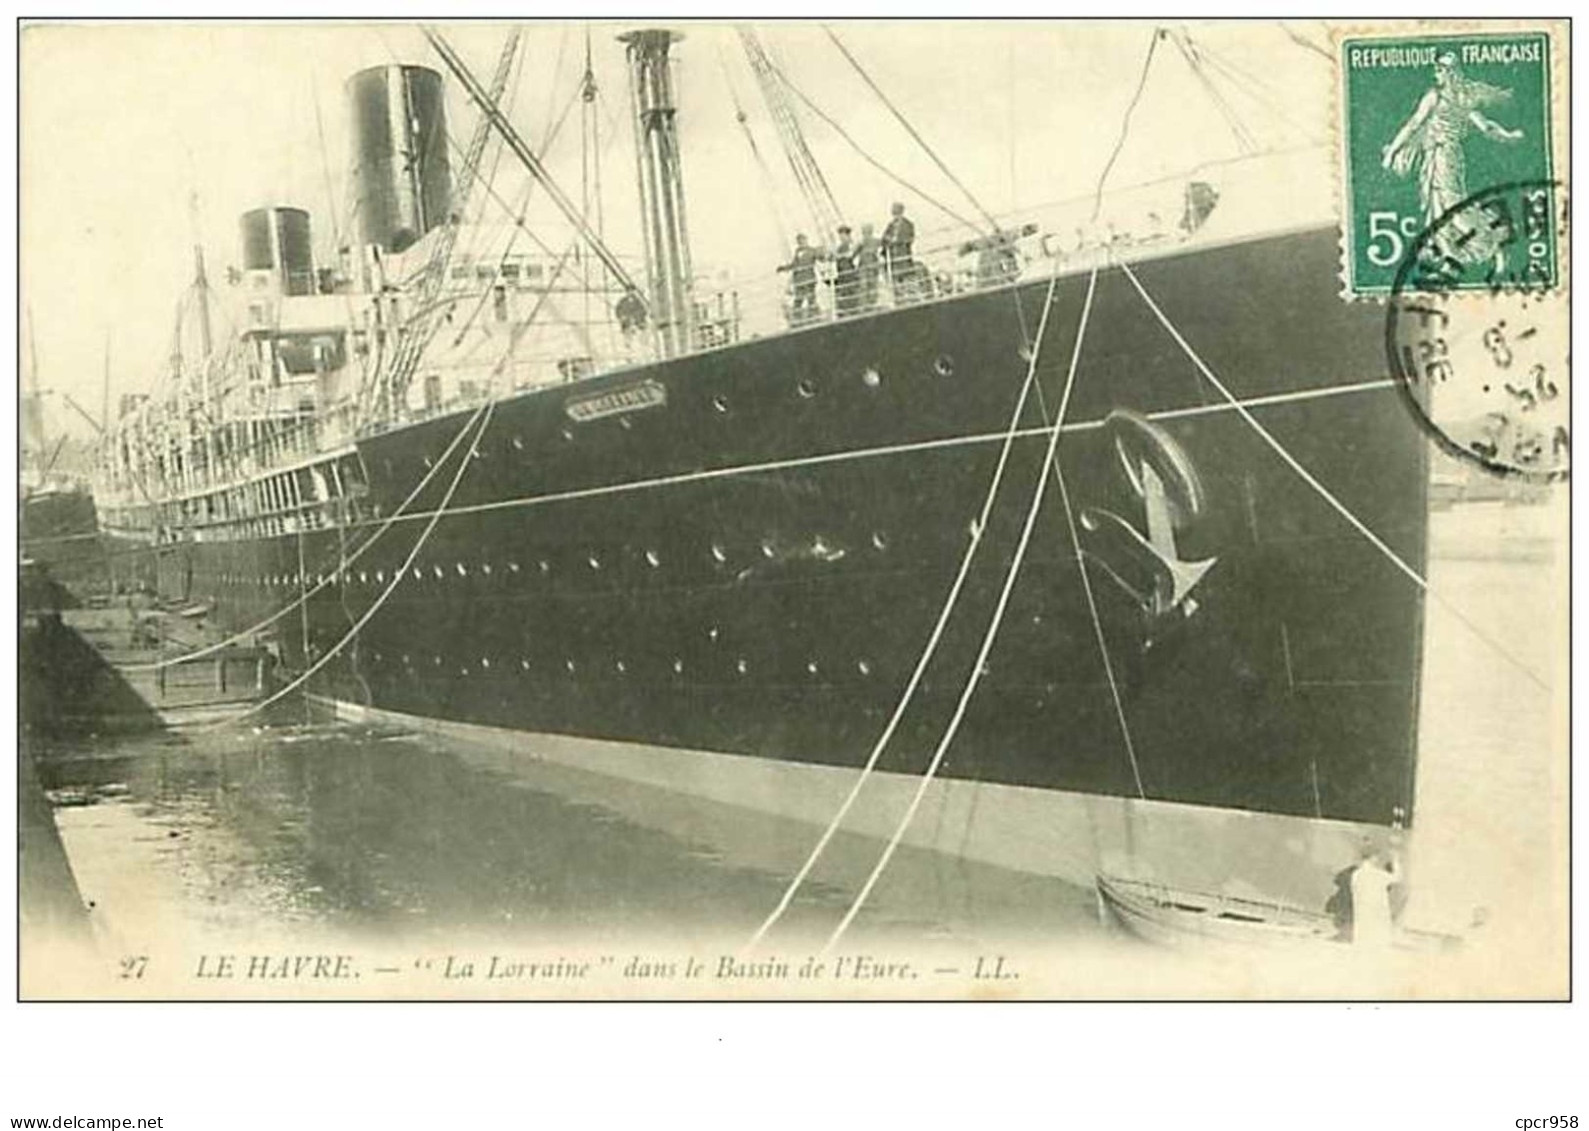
(868, 266)
(802, 268)
(846, 283)
(897, 240)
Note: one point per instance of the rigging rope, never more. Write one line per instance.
(869, 159)
(910, 129)
(755, 151)
(413, 347)
(933, 638)
(819, 200)
(1125, 123)
(1244, 139)
(991, 634)
(397, 578)
(1319, 488)
(1097, 621)
(1302, 41)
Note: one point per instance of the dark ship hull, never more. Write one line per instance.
(59, 531)
(721, 579)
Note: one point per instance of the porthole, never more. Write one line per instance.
(568, 435)
(364, 578)
(720, 403)
(518, 443)
(717, 552)
(485, 568)
(864, 667)
(545, 566)
(380, 575)
(621, 666)
(417, 574)
(485, 661)
(944, 366)
(806, 390)
(625, 423)
(712, 633)
(652, 559)
(462, 569)
(871, 378)
(406, 660)
(513, 567)
(524, 663)
(812, 667)
(427, 462)
(678, 667)
(569, 664)
(768, 550)
(437, 571)
(438, 661)
(741, 666)
(879, 542)
(595, 562)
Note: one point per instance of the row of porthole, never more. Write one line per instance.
(742, 666)
(943, 366)
(819, 547)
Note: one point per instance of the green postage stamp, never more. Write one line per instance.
(1429, 124)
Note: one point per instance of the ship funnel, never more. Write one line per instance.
(400, 166)
(661, 186)
(276, 240)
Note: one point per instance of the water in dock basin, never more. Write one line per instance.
(352, 839)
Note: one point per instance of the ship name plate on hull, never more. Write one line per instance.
(630, 398)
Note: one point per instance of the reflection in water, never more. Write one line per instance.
(390, 837)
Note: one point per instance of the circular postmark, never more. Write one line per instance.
(1477, 331)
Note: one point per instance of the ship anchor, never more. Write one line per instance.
(1162, 476)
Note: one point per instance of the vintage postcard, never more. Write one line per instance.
(683, 510)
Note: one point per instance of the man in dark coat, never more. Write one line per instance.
(846, 280)
(897, 240)
(802, 268)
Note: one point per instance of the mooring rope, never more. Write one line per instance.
(1098, 633)
(933, 638)
(391, 520)
(1321, 490)
(391, 586)
(979, 668)
(1092, 609)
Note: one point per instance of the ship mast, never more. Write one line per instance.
(661, 187)
(201, 282)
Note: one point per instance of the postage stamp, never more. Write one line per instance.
(1428, 122)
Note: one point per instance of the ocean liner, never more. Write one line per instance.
(1100, 519)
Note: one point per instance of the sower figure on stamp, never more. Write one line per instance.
(1430, 143)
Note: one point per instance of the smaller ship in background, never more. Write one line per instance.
(58, 525)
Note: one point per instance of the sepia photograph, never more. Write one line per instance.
(968, 510)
